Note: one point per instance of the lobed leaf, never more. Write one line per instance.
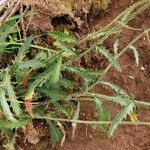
(55, 133)
(24, 48)
(5, 107)
(15, 124)
(128, 109)
(110, 58)
(12, 95)
(76, 117)
(102, 113)
(57, 70)
(63, 37)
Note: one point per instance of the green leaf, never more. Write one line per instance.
(33, 63)
(55, 133)
(11, 95)
(136, 55)
(77, 112)
(24, 48)
(57, 70)
(61, 109)
(87, 74)
(128, 109)
(68, 84)
(40, 80)
(116, 88)
(68, 51)
(54, 94)
(5, 107)
(15, 124)
(5, 30)
(110, 58)
(100, 33)
(75, 118)
(63, 37)
(102, 113)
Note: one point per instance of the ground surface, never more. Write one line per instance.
(136, 80)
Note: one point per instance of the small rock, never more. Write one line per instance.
(142, 68)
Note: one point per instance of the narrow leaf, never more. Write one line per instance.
(15, 124)
(57, 70)
(102, 113)
(61, 109)
(5, 107)
(12, 96)
(121, 115)
(110, 58)
(24, 48)
(67, 50)
(136, 55)
(55, 133)
(76, 117)
(116, 88)
(60, 36)
(68, 84)
(54, 94)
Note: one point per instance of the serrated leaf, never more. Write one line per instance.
(24, 48)
(136, 54)
(76, 117)
(116, 88)
(63, 37)
(103, 33)
(61, 109)
(54, 94)
(55, 134)
(102, 113)
(5, 107)
(128, 109)
(110, 58)
(33, 63)
(15, 124)
(40, 79)
(5, 30)
(68, 84)
(87, 74)
(57, 70)
(11, 95)
(67, 50)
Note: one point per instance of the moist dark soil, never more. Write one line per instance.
(135, 80)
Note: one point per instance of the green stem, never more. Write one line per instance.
(91, 122)
(32, 45)
(87, 97)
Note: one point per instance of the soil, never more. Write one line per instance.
(135, 80)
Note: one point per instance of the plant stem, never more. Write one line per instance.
(90, 96)
(32, 45)
(92, 122)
